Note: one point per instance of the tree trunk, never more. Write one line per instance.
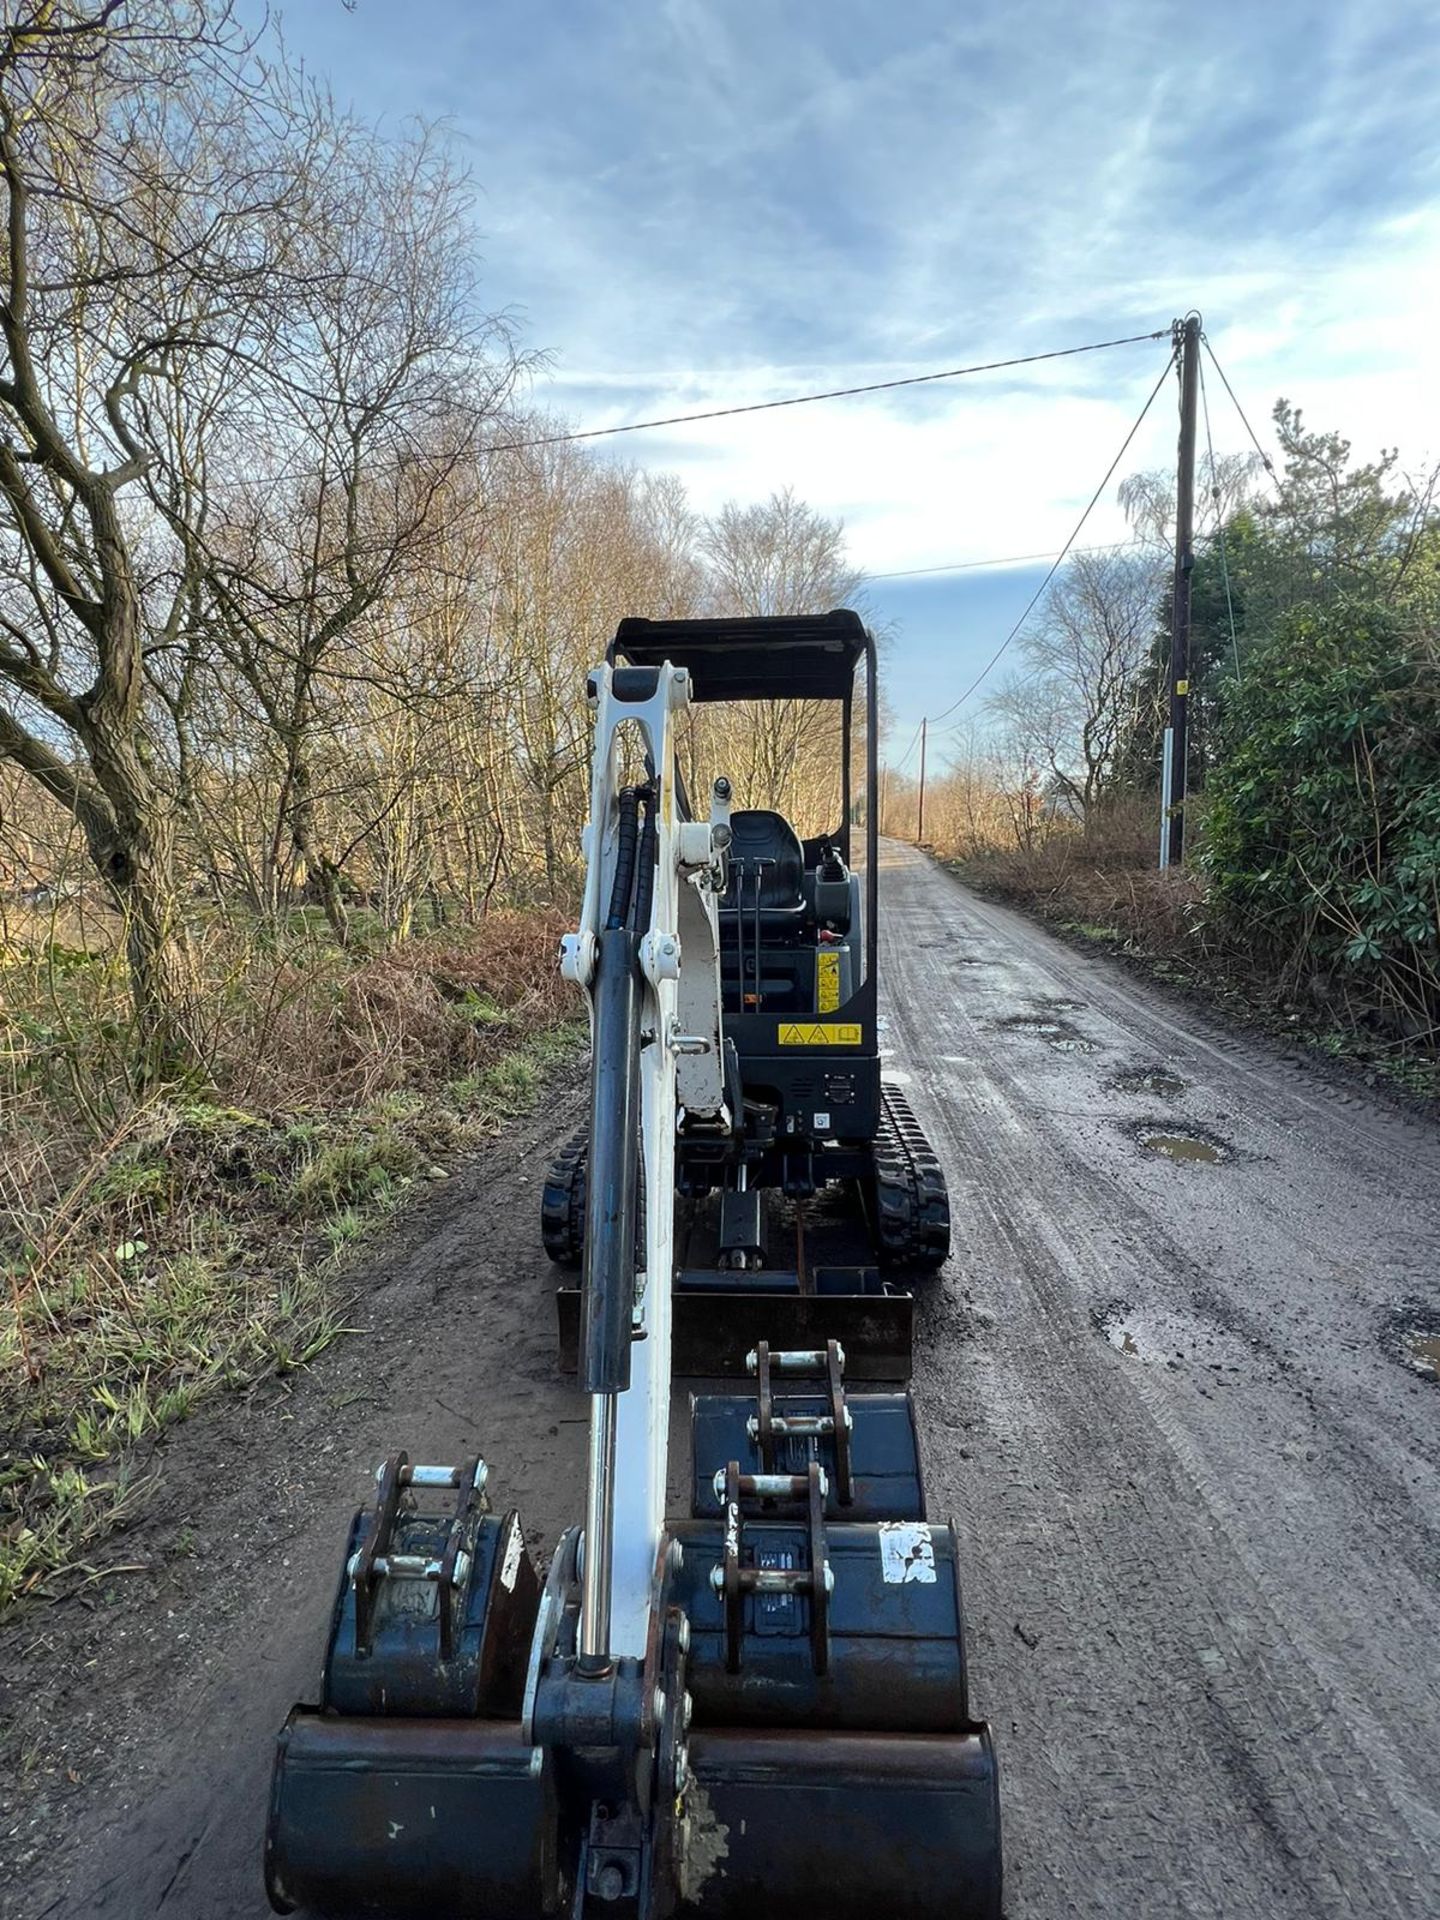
(130, 838)
(322, 871)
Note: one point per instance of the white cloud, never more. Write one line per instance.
(1001, 464)
(699, 203)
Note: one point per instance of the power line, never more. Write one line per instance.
(1003, 560)
(914, 742)
(1055, 567)
(833, 393)
(1219, 521)
(1266, 461)
(417, 461)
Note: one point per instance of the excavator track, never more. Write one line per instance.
(562, 1203)
(911, 1204)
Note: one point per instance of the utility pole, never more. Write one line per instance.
(920, 825)
(1172, 842)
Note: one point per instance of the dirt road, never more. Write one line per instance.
(1170, 1403)
(1168, 1400)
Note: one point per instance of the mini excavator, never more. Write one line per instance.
(759, 1705)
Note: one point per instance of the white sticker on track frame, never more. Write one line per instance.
(906, 1553)
(510, 1567)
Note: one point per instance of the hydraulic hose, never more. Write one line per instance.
(613, 1174)
(623, 885)
(612, 1199)
(645, 885)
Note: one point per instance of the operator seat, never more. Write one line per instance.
(758, 835)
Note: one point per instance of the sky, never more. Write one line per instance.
(704, 203)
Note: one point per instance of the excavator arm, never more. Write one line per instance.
(647, 955)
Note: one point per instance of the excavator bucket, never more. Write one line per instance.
(865, 1824)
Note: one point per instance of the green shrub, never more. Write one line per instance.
(1323, 831)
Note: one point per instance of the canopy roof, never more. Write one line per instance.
(809, 656)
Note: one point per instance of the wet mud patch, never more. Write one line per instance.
(1412, 1337)
(1184, 1143)
(1153, 1080)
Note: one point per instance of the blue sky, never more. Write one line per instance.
(696, 203)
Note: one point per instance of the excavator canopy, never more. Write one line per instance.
(809, 656)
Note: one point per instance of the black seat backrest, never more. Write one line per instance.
(758, 834)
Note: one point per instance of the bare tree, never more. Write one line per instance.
(124, 194)
(1027, 723)
(1085, 655)
(1223, 487)
(576, 545)
(778, 557)
(208, 275)
(384, 368)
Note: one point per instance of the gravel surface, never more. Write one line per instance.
(1172, 1403)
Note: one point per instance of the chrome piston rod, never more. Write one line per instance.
(599, 1536)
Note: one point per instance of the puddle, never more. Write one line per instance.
(1410, 1337)
(1182, 1146)
(1193, 1145)
(1164, 1338)
(1058, 1034)
(1423, 1350)
(1148, 1080)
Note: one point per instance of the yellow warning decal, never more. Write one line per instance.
(819, 1033)
(1182, 687)
(827, 980)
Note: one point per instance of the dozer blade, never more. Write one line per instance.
(854, 1825)
(373, 1817)
(713, 1327)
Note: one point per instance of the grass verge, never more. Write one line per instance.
(156, 1248)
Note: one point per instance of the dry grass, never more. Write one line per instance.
(1103, 883)
(158, 1244)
